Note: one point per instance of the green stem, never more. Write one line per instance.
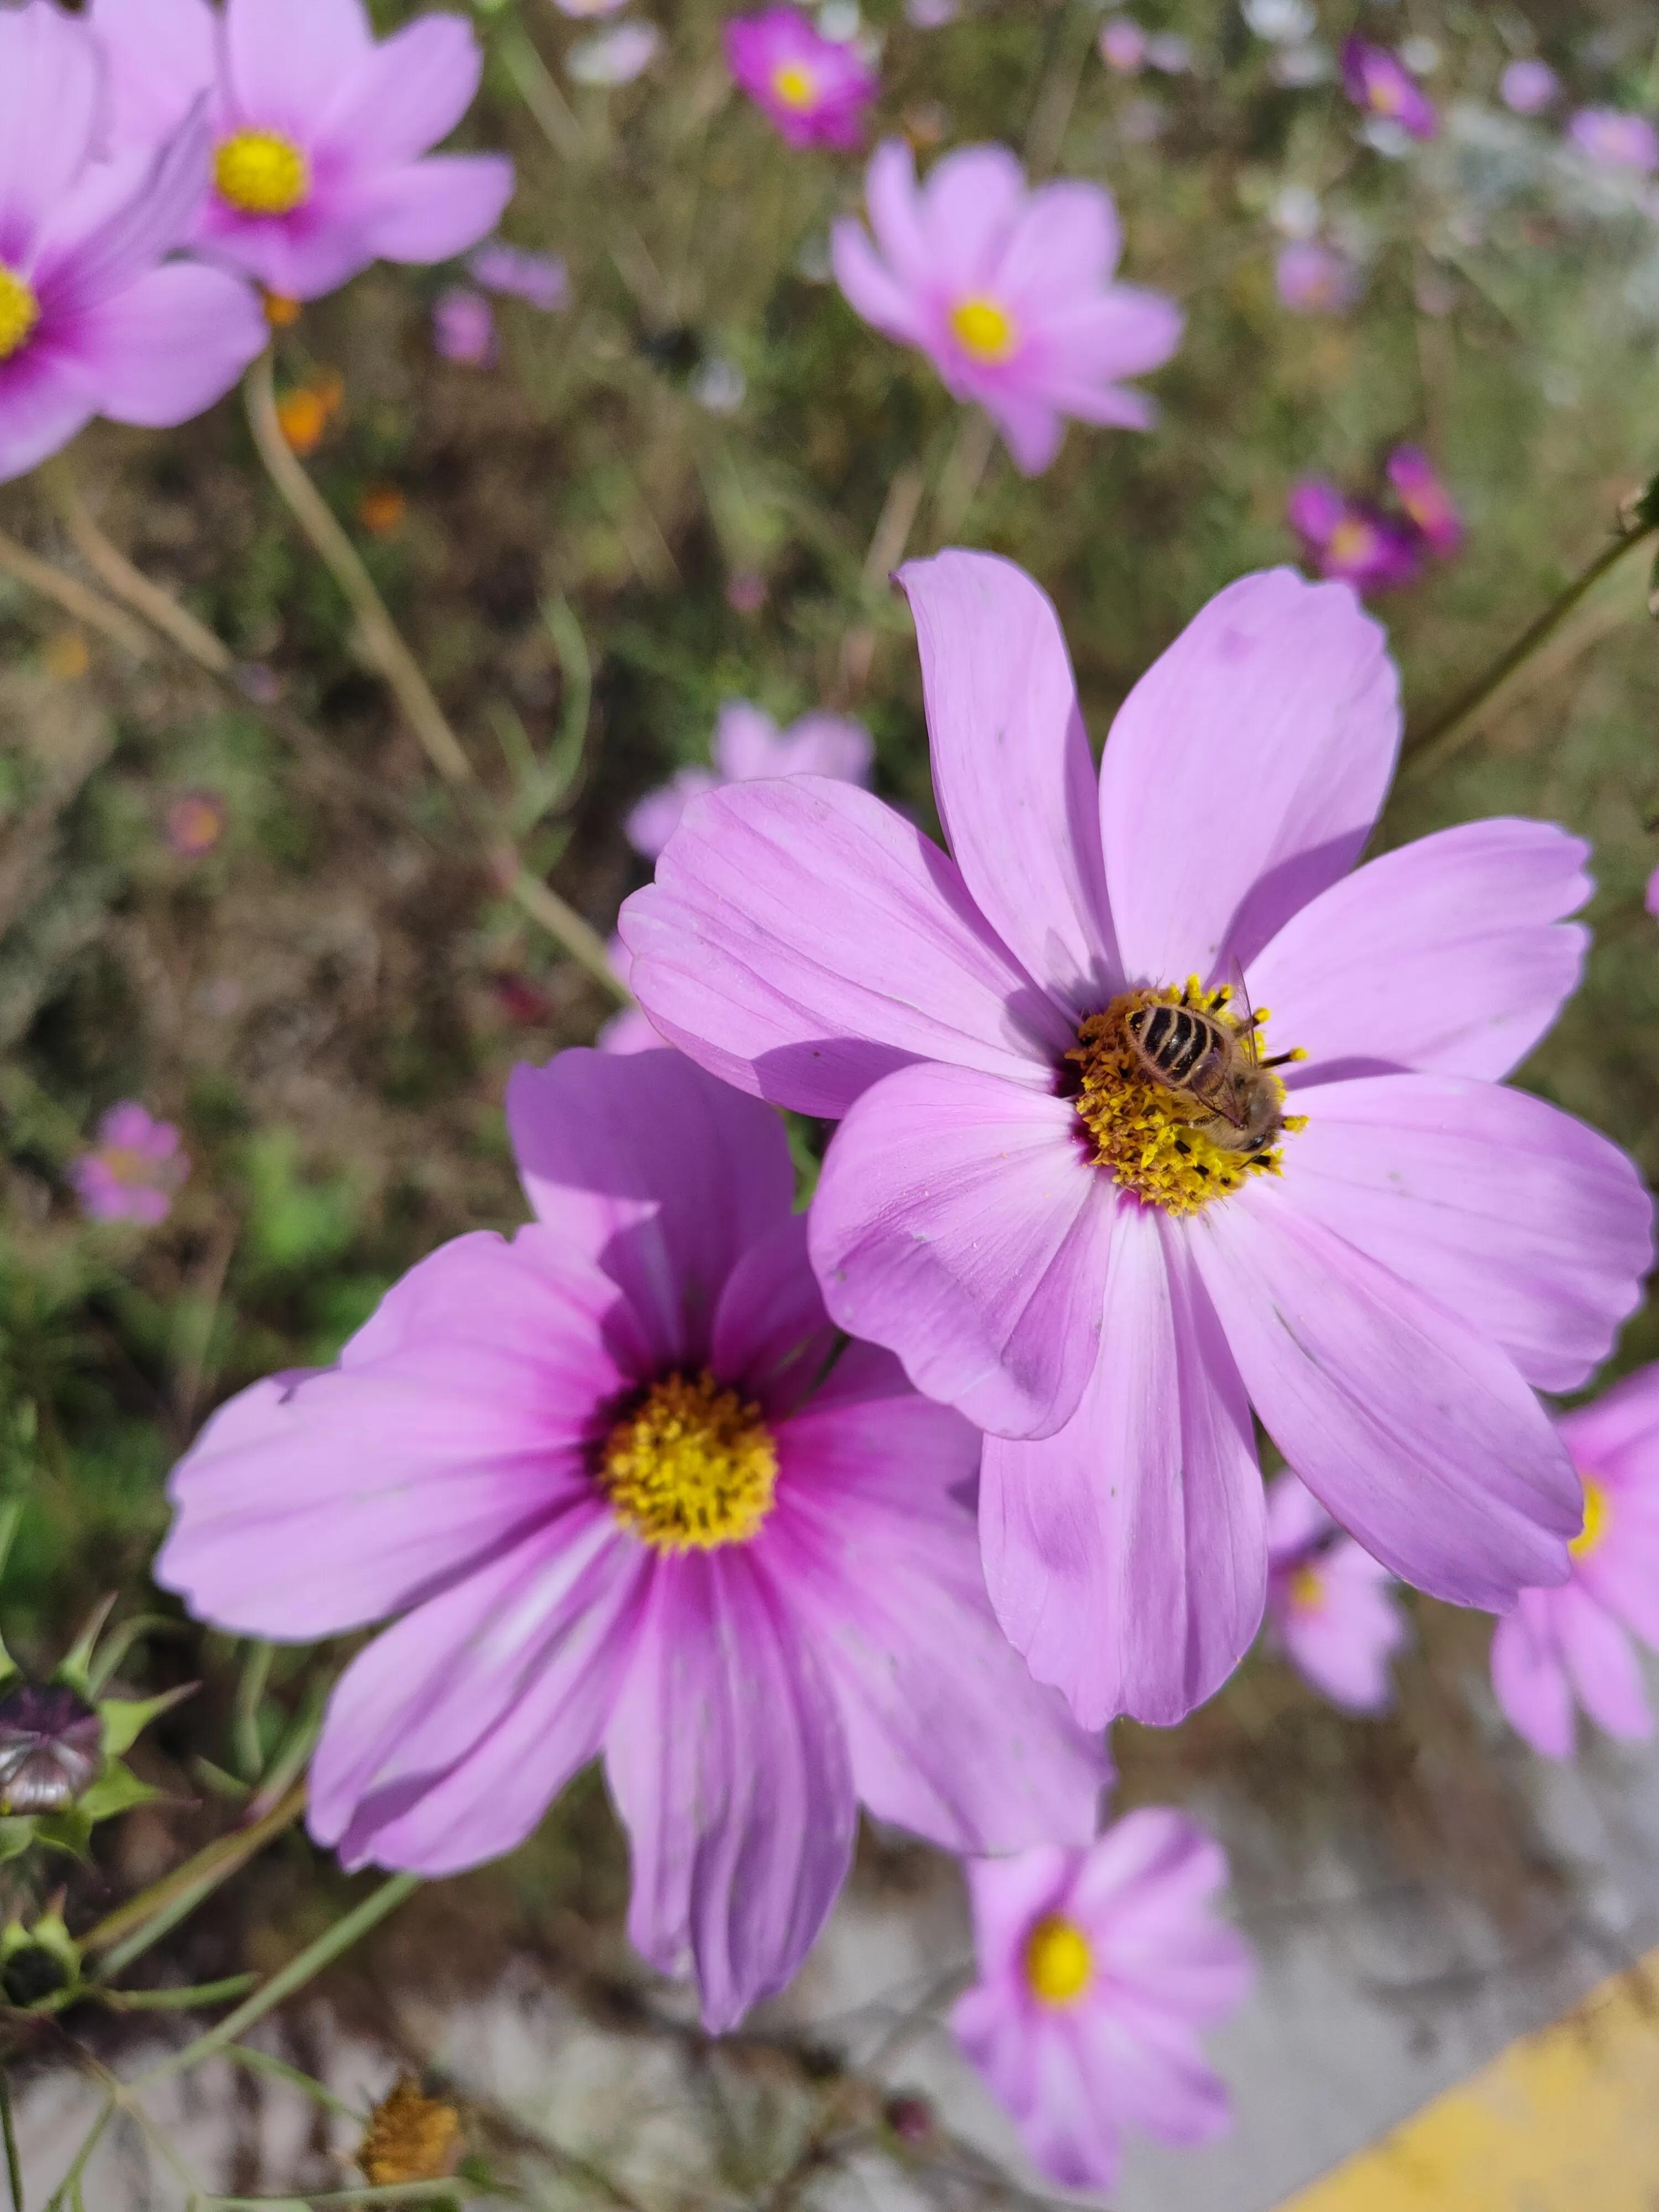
(14, 2163)
(261, 2062)
(69, 2187)
(310, 1962)
(199, 1993)
(1443, 735)
(397, 2192)
(251, 1687)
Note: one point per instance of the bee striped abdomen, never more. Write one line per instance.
(1176, 1040)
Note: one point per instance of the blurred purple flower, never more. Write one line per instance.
(93, 319)
(133, 1171)
(1572, 1644)
(1612, 138)
(1425, 500)
(749, 745)
(1096, 1970)
(816, 90)
(1169, 52)
(932, 15)
(625, 1506)
(1314, 279)
(540, 279)
(614, 57)
(1123, 44)
(1528, 86)
(195, 824)
(586, 10)
(1651, 902)
(463, 326)
(1350, 540)
(1329, 1602)
(1380, 83)
(318, 131)
(1007, 289)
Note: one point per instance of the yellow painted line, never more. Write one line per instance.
(1566, 2120)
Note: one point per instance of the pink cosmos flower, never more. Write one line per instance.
(1425, 500)
(1380, 83)
(603, 1477)
(1573, 1644)
(1351, 541)
(1327, 1602)
(93, 318)
(1008, 292)
(1528, 86)
(1612, 139)
(134, 1169)
(1651, 898)
(540, 279)
(749, 745)
(1094, 1264)
(1097, 1970)
(1122, 44)
(463, 326)
(1314, 279)
(816, 90)
(319, 131)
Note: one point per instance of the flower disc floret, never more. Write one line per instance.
(795, 85)
(261, 172)
(692, 1467)
(1595, 1519)
(20, 311)
(984, 329)
(1060, 1962)
(1157, 1141)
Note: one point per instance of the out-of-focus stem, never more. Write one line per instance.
(298, 1972)
(118, 576)
(133, 1926)
(1442, 736)
(408, 684)
(962, 473)
(73, 596)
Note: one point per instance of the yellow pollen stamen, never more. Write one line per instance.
(692, 1467)
(1058, 1962)
(1307, 1589)
(261, 172)
(1595, 1519)
(1352, 541)
(20, 311)
(984, 330)
(1158, 1141)
(795, 85)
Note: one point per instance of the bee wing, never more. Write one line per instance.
(1247, 1034)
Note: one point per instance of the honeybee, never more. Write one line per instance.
(1189, 1049)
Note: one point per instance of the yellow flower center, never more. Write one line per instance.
(795, 85)
(1386, 97)
(1352, 542)
(261, 172)
(1595, 1519)
(1183, 1110)
(20, 311)
(692, 1467)
(1059, 1963)
(1307, 1589)
(984, 330)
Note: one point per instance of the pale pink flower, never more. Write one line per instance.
(1123, 44)
(320, 162)
(816, 90)
(541, 280)
(1314, 279)
(615, 57)
(1007, 289)
(1097, 1970)
(1380, 83)
(748, 746)
(134, 1169)
(1573, 1644)
(463, 326)
(195, 822)
(621, 1493)
(1528, 86)
(1329, 1606)
(1612, 138)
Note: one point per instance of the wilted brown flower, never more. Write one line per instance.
(411, 2138)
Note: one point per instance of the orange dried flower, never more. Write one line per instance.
(410, 2138)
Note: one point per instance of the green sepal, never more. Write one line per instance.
(126, 1719)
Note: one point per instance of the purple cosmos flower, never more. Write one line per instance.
(1030, 1205)
(463, 326)
(1425, 500)
(1380, 83)
(540, 279)
(1329, 1602)
(815, 89)
(133, 1171)
(1314, 279)
(1611, 139)
(318, 132)
(748, 746)
(93, 319)
(1122, 44)
(1351, 541)
(1007, 291)
(1573, 1644)
(1651, 897)
(1528, 86)
(602, 1475)
(1097, 1970)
